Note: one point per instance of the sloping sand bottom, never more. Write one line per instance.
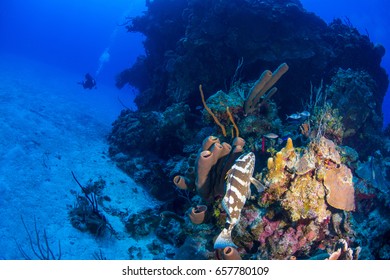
(50, 126)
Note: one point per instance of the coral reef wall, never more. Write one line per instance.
(204, 83)
(221, 43)
(192, 42)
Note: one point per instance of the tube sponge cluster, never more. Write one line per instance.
(211, 164)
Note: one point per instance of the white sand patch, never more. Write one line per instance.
(49, 127)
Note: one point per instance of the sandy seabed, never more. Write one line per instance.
(50, 126)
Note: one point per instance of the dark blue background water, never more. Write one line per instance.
(370, 17)
(74, 34)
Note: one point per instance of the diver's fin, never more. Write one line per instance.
(224, 240)
(259, 186)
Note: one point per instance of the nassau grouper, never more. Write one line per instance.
(238, 180)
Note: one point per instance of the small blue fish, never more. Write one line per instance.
(238, 180)
(294, 116)
(304, 114)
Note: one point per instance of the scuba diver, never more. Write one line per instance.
(88, 82)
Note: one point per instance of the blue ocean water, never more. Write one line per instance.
(46, 48)
(73, 35)
(78, 35)
(369, 17)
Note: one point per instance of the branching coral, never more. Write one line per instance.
(85, 214)
(211, 112)
(40, 246)
(242, 111)
(233, 122)
(277, 177)
(229, 115)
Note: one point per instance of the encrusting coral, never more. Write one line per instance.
(318, 169)
(302, 197)
(305, 199)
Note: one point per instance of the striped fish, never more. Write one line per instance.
(238, 180)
